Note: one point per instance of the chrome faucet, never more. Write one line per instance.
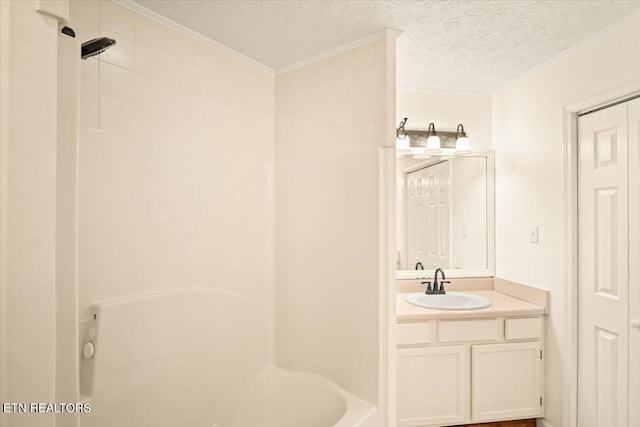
(436, 289)
(419, 264)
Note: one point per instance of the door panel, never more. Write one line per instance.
(603, 233)
(415, 210)
(429, 216)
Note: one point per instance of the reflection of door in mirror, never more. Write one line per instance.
(444, 212)
(429, 216)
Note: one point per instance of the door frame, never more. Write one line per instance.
(570, 177)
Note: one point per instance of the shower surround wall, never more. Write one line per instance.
(179, 188)
(335, 152)
(176, 175)
(176, 142)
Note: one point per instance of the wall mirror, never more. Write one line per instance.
(445, 215)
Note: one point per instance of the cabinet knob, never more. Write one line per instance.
(635, 324)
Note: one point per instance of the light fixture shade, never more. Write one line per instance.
(433, 145)
(463, 146)
(433, 141)
(403, 143)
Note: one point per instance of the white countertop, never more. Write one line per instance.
(501, 305)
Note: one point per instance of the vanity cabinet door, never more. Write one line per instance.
(432, 386)
(506, 381)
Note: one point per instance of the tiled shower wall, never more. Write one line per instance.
(334, 119)
(175, 144)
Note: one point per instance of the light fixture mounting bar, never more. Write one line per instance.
(418, 138)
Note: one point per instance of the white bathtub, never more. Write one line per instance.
(279, 398)
(197, 358)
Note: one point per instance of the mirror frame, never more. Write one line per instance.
(491, 232)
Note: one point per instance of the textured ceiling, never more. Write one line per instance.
(450, 45)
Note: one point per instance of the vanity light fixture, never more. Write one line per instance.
(463, 145)
(403, 141)
(424, 144)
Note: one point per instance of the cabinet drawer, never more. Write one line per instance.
(469, 330)
(518, 329)
(413, 333)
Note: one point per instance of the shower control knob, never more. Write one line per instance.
(88, 350)
(635, 324)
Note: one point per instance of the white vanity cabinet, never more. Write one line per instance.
(454, 372)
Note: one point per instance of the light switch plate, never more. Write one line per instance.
(533, 234)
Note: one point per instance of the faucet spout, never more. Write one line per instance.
(419, 264)
(440, 289)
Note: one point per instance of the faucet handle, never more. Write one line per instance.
(442, 282)
(428, 283)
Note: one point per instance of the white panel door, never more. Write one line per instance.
(603, 234)
(506, 381)
(429, 216)
(432, 385)
(634, 264)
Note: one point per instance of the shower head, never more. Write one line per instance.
(96, 46)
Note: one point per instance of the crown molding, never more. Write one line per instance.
(163, 20)
(380, 35)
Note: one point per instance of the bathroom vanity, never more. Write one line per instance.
(470, 366)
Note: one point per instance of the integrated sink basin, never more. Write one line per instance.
(449, 301)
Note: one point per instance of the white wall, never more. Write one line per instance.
(528, 131)
(332, 117)
(28, 57)
(176, 141)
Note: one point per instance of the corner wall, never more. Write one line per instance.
(28, 57)
(334, 138)
(529, 132)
